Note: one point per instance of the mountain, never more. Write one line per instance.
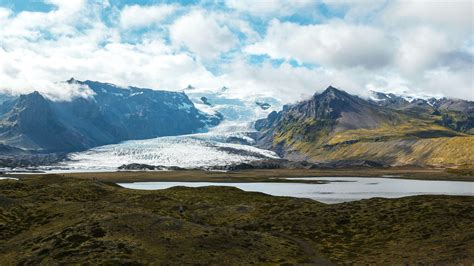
(229, 143)
(456, 114)
(396, 101)
(234, 107)
(32, 124)
(335, 125)
(112, 114)
(263, 106)
(205, 101)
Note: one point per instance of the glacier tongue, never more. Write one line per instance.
(188, 151)
(225, 144)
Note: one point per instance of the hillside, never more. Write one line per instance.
(56, 220)
(335, 125)
(112, 114)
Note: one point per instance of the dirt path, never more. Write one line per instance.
(307, 248)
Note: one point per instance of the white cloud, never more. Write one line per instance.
(62, 91)
(335, 44)
(454, 15)
(201, 33)
(420, 48)
(400, 45)
(362, 10)
(4, 13)
(94, 52)
(443, 81)
(137, 16)
(71, 5)
(430, 55)
(30, 25)
(270, 7)
(149, 64)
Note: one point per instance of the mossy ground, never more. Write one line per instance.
(53, 220)
(413, 142)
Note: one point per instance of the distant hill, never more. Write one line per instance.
(335, 125)
(113, 114)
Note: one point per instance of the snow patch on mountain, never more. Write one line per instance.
(406, 95)
(232, 107)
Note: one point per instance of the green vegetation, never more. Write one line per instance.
(433, 151)
(456, 120)
(416, 142)
(336, 126)
(52, 219)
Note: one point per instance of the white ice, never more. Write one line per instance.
(188, 151)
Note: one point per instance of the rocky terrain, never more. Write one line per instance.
(335, 125)
(57, 220)
(456, 114)
(261, 164)
(263, 105)
(112, 114)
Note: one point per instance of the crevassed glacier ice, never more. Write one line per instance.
(226, 144)
(183, 151)
(195, 150)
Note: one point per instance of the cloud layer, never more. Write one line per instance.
(286, 49)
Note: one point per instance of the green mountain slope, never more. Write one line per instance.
(335, 125)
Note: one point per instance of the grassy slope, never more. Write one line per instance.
(54, 219)
(433, 151)
(414, 141)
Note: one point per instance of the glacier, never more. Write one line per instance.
(230, 142)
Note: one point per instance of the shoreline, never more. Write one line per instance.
(263, 175)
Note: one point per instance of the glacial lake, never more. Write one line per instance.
(336, 190)
(7, 178)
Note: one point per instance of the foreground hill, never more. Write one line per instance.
(335, 125)
(112, 114)
(56, 220)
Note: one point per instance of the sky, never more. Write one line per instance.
(288, 49)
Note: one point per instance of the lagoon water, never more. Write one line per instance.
(7, 178)
(336, 190)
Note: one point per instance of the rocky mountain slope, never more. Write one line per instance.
(113, 114)
(335, 125)
(453, 113)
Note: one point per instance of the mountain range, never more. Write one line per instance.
(335, 125)
(36, 123)
(330, 126)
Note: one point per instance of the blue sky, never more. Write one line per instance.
(281, 48)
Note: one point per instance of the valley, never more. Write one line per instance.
(331, 129)
(344, 180)
(236, 132)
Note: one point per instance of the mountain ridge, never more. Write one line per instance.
(456, 114)
(112, 114)
(335, 125)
